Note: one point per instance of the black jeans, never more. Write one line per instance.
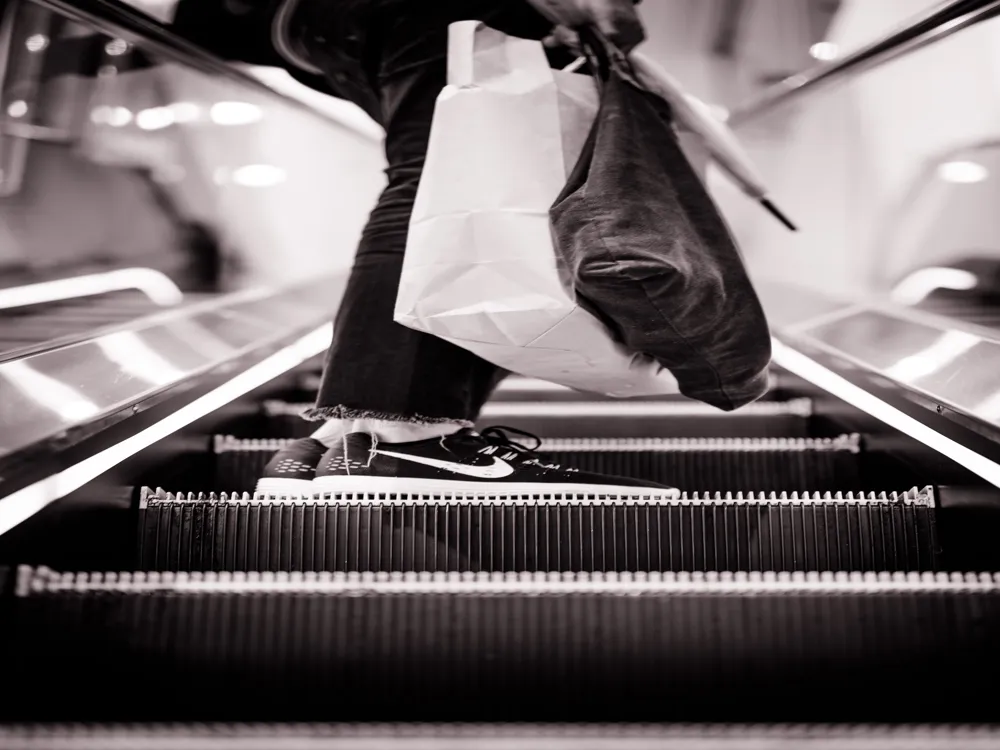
(390, 58)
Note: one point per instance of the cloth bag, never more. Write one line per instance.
(647, 246)
(480, 268)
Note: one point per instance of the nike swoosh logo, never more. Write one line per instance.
(498, 470)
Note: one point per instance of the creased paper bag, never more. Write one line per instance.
(480, 269)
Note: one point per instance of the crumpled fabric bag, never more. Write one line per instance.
(647, 247)
(480, 268)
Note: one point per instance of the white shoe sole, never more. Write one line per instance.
(273, 486)
(404, 486)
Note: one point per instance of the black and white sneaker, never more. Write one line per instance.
(292, 469)
(466, 461)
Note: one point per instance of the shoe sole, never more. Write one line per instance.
(285, 487)
(410, 486)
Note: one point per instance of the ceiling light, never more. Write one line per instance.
(235, 113)
(155, 118)
(184, 111)
(36, 42)
(824, 51)
(965, 172)
(258, 175)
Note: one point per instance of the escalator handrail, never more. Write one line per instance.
(158, 39)
(936, 24)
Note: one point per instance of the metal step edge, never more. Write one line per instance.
(502, 736)
(849, 443)
(923, 496)
(797, 407)
(43, 580)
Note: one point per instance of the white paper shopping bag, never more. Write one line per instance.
(480, 269)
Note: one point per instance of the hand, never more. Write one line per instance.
(618, 20)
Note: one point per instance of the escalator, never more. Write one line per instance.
(826, 578)
(786, 585)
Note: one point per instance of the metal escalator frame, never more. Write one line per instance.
(807, 339)
(936, 24)
(72, 412)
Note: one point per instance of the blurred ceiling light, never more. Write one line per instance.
(119, 117)
(184, 111)
(116, 47)
(965, 172)
(17, 108)
(258, 175)
(36, 42)
(919, 284)
(824, 51)
(155, 118)
(235, 113)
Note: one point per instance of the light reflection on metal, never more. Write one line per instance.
(25, 502)
(155, 285)
(191, 340)
(137, 358)
(48, 392)
(921, 283)
(813, 372)
(945, 350)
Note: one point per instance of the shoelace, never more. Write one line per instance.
(500, 436)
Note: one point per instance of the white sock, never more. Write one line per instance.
(403, 432)
(333, 430)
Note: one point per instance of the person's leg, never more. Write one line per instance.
(376, 368)
(390, 58)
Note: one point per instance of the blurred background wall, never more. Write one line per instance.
(110, 156)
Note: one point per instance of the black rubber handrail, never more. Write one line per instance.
(115, 17)
(936, 24)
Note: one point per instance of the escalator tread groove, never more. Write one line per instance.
(691, 533)
(663, 647)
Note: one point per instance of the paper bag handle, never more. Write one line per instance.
(478, 53)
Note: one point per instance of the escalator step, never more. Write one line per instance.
(797, 532)
(466, 647)
(632, 418)
(694, 465)
(499, 736)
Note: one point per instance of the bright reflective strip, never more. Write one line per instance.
(134, 356)
(154, 284)
(808, 369)
(49, 393)
(946, 349)
(24, 503)
(919, 284)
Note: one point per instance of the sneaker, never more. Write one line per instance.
(292, 469)
(465, 461)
